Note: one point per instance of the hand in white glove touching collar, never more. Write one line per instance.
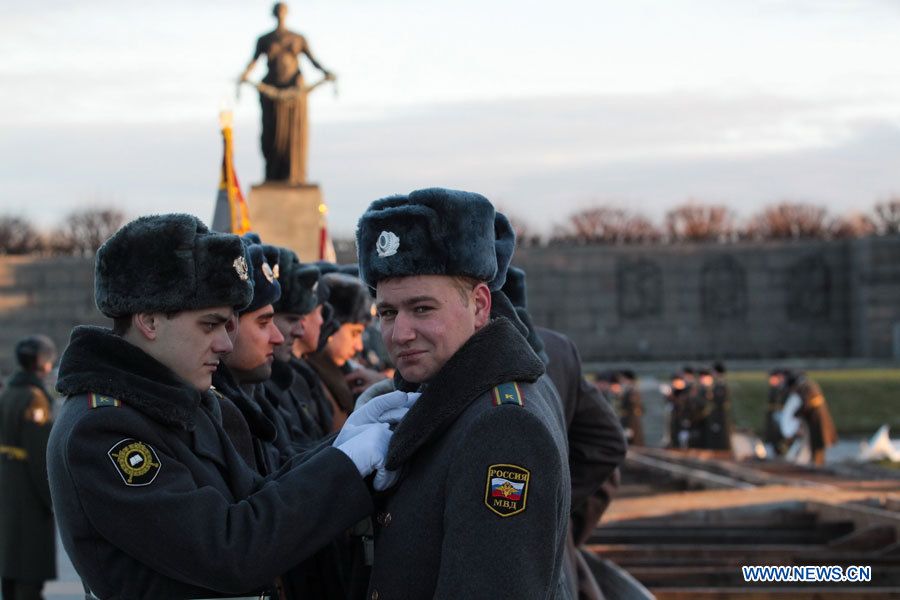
(388, 408)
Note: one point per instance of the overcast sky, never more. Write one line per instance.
(543, 107)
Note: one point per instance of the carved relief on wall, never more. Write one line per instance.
(640, 288)
(809, 289)
(723, 289)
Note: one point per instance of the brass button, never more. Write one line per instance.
(384, 519)
(374, 594)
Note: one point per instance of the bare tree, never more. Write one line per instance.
(83, 231)
(607, 225)
(851, 226)
(18, 236)
(788, 220)
(525, 234)
(887, 216)
(638, 229)
(697, 222)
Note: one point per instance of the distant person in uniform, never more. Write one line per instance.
(27, 539)
(151, 498)
(631, 410)
(241, 372)
(483, 502)
(676, 397)
(777, 393)
(719, 421)
(315, 328)
(698, 405)
(287, 389)
(701, 406)
(814, 412)
(352, 312)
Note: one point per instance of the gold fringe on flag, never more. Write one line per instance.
(240, 216)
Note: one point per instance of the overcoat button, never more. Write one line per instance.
(374, 594)
(384, 519)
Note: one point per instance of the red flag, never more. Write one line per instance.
(231, 213)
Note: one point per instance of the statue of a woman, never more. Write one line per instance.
(282, 96)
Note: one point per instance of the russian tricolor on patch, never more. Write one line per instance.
(506, 491)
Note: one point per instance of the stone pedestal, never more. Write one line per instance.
(288, 215)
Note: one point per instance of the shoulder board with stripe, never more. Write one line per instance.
(101, 401)
(508, 393)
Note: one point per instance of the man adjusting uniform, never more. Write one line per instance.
(482, 505)
(151, 497)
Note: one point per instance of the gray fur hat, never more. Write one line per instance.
(349, 298)
(514, 288)
(299, 282)
(266, 289)
(434, 231)
(170, 263)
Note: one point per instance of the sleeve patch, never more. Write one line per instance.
(506, 490)
(508, 393)
(136, 462)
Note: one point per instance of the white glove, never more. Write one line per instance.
(368, 448)
(388, 408)
(384, 479)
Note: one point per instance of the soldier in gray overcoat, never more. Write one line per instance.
(482, 504)
(151, 497)
(27, 539)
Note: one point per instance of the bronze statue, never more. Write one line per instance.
(282, 96)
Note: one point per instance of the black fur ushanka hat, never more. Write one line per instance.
(514, 288)
(170, 263)
(266, 289)
(349, 297)
(299, 282)
(434, 231)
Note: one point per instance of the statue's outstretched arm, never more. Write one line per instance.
(256, 54)
(246, 74)
(312, 59)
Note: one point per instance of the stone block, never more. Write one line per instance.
(291, 216)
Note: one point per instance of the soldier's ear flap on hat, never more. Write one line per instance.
(514, 288)
(505, 246)
(306, 282)
(308, 277)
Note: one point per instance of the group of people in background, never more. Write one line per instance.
(698, 408)
(620, 388)
(794, 399)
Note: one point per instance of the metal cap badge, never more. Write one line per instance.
(388, 243)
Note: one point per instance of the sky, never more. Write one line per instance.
(545, 108)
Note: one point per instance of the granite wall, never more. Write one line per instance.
(695, 301)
